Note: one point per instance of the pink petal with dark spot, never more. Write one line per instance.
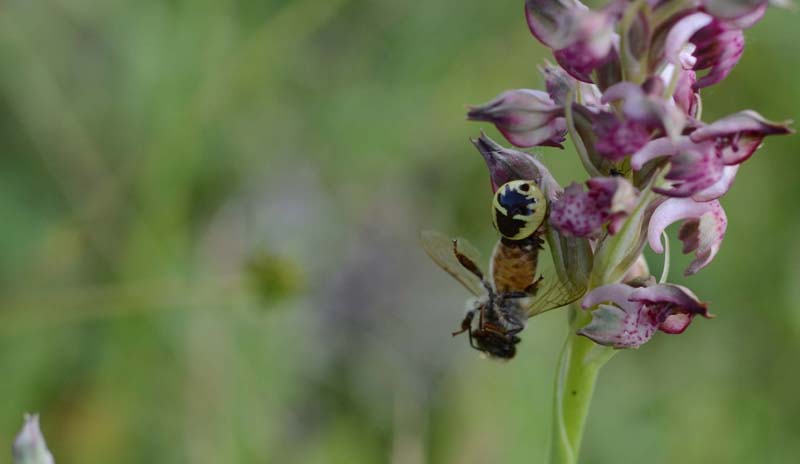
(701, 233)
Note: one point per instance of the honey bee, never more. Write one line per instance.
(520, 285)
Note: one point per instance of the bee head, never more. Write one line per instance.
(496, 345)
(518, 209)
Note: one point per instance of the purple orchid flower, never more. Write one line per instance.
(702, 231)
(559, 83)
(693, 167)
(582, 39)
(720, 46)
(645, 105)
(702, 163)
(506, 165)
(637, 312)
(744, 12)
(628, 95)
(716, 44)
(527, 118)
(618, 138)
(578, 60)
(739, 135)
(609, 200)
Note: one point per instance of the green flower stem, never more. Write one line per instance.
(629, 72)
(576, 138)
(578, 367)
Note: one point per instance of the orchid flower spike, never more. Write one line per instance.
(628, 317)
(626, 90)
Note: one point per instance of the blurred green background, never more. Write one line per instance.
(209, 220)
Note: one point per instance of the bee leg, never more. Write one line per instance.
(472, 342)
(466, 324)
(511, 333)
(533, 288)
(469, 265)
(490, 305)
(516, 328)
(513, 295)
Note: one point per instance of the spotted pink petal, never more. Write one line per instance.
(683, 304)
(717, 45)
(675, 295)
(694, 167)
(618, 138)
(576, 214)
(739, 135)
(703, 236)
(702, 232)
(741, 122)
(616, 196)
(609, 200)
(631, 323)
(669, 212)
(692, 170)
(621, 327)
(647, 108)
(719, 48)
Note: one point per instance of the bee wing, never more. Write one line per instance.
(440, 248)
(553, 290)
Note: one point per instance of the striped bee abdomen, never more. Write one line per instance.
(514, 264)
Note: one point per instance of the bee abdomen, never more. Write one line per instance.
(514, 264)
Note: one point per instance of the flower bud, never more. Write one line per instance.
(29, 445)
(582, 39)
(526, 118)
(506, 165)
(557, 83)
